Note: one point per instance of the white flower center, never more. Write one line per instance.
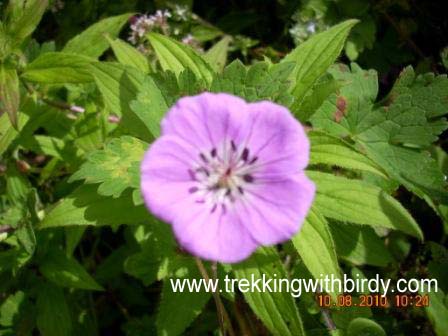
(220, 176)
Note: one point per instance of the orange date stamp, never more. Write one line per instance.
(373, 301)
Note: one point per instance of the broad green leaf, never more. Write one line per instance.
(276, 310)
(361, 326)
(260, 81)
(216, 56)
(9, 309)
(437, 311)
(53, 313)
(91, 42)
(7, 132)
(85, 207)
(73, 236)
(316, 247)
(314, 57)
(116, 167)
(66, 271)
(150, 105)
(58, 68)
(9, 93)
(333, 151)
(29, 15)
(177, 310)
(128, 55)
(177, 57)
(119, 85)
(395, 132)
(360, 245)
(359, 202)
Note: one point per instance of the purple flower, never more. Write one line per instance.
(228, 175)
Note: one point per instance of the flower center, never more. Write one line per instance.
(221, 175)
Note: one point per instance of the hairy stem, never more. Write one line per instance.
(223, 317)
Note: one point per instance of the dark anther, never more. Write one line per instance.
(203, 170)
(213, 208)
(228, 171)
(192, 174)
(213, 152)
(203, 158)
(248, 178)
(253, 160)
(228, 192)
(224, 208)
(241, 190)
(192, 190)
(245, 154)
(232, 144)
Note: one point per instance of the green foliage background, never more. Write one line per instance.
(80, 103)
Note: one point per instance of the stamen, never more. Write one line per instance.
(248, 178)
(213, 152)
(245, 154)
(253, 160)
(213, 208)
(203, 158)
(241, 190)
(232, 144)
(192, 190)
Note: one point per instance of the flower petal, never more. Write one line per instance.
(165, 178)
(206, 120)
(273, 212)
(218, 235)
(277, 139)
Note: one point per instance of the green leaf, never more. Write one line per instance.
(119, 85)
(359, 202)
(316, 247)
(58, 68)
(9, 93)
(150, 106)
(53, 314)
(333, 151)
(85, 207)
(277, 310)
(260, 81)
(7, 132)
(116, 167)
(314, 57)
(66, 272)
(360, 245)
(28, 15)
(177, 310)
(9, 309)
(437, 311)
(128, 55)
(216, 56)
(177, 57)
(91, 42)
(395, 132)
(361, 326)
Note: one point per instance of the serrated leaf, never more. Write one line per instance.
(216, 56)
(9, 309)
(91, 42)
(360, 245)
(9, 93)
(260, 81)
(58, 68)
(333, 151)
(53, 314)
(395, 132)
(177, 57)
(66, 272)
(314, 57)
(116, 167)
(119, 85)
(316, 247)
(128, 55)
(150, 105)
(86, 207)
(362, 203)
(30, 13)
(276, 310)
